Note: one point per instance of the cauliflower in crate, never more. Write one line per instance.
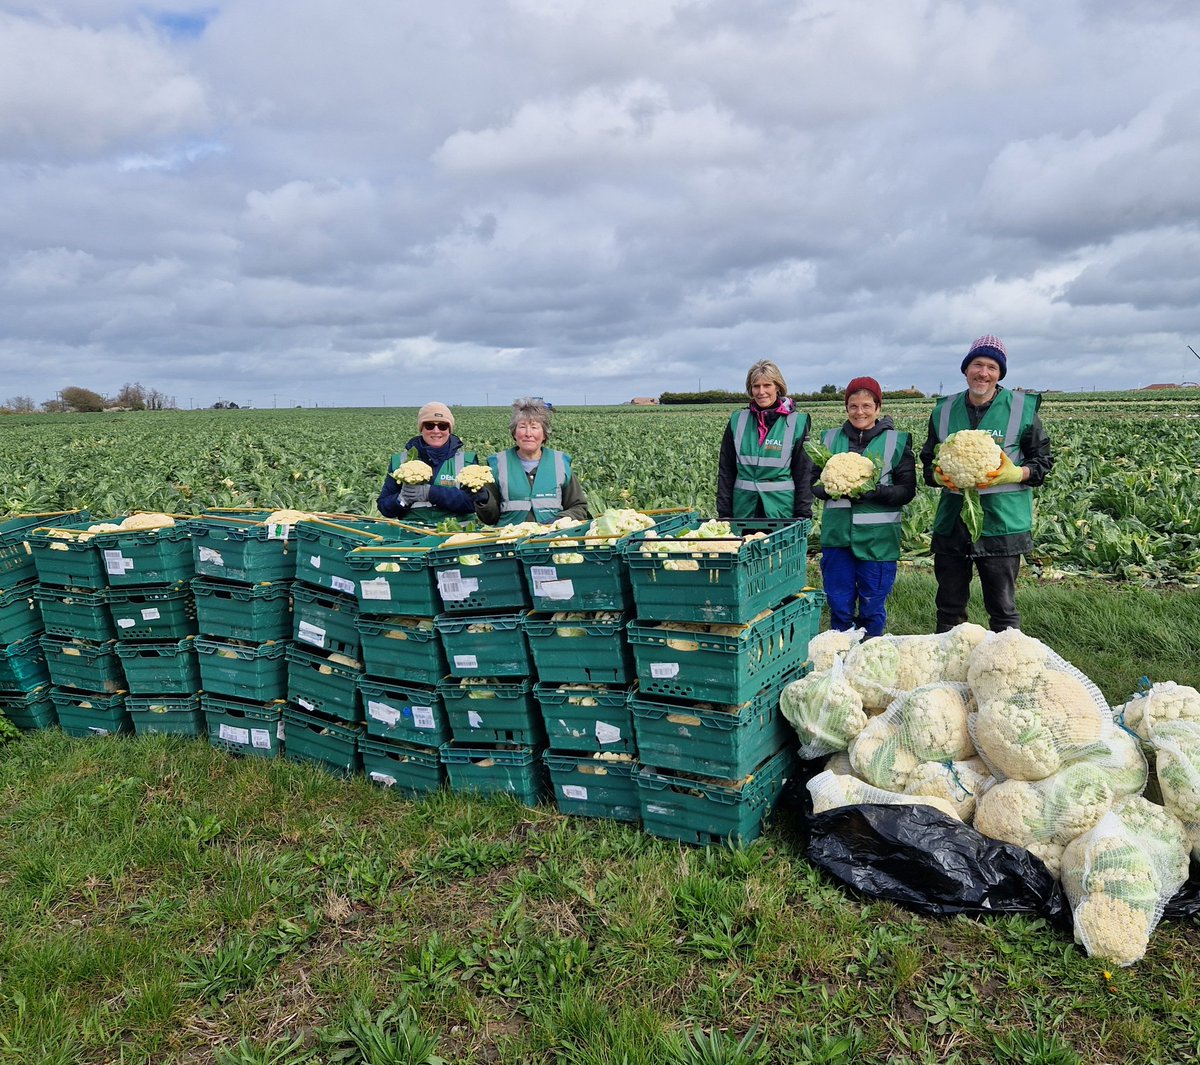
(414, 471)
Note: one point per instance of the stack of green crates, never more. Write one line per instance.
(717, 635)
(78, 644)
(403, 662)
(245, 569)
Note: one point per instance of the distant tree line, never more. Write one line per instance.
(74, 399)
(827, 392)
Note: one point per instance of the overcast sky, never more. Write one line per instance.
(384, 201)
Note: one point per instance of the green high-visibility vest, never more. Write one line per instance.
(763, 475)
(870, 530)
(425, 512)
(1007, 508)
(521, 501)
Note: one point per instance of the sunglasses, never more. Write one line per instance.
(444, 426)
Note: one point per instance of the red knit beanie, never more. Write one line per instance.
(865, 384)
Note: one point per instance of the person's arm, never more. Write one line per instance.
(726, 474)
(802, 473)
(487, 504)
(389, 499)
(931, 442)
(574, 501)
(454, 500)
(814, 482)
(1035, 446)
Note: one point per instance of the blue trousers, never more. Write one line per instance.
(857, 590)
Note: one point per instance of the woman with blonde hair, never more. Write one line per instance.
(763, 471)
(533, 482)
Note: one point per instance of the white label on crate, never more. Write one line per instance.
(389, 715)
(207, 554)
(473, 719)
(574, 791)
(451, 586)
(606, 733)
(543, 573)
(382, 778)
(279, 732)
(341, 584)
(423, 716)
(278, 532)
(654, 808)
(98, 730)
(234, 735)
(466, 662)
(314, 561)
(260, 738)
(375, 588)
(310, 633)
(151, 613)
(555, 589)
(664, 670)
(125, 623)
(306, 704)
(114, 561)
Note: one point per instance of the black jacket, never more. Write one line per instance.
(801, 473)
(904, 481)
(454, 500)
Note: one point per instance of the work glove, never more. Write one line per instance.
(413, 493)
(1006, 473)
(480, 496)
(943, 480)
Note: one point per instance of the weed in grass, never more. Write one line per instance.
(695, 1047)
(948, 1001)
(238, 963)
(724, 937)
(463, 857)
(1034, 1048)
(433, 965)
(580, 1029)
(357, 872)
(391, 1037)
(817, 1046)
(527, 964)
(281, 1051)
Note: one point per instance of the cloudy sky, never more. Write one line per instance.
(308, 201)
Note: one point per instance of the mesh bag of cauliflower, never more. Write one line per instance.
(831, 790)
(1177, 761)
(828, 645)
(825, 711)
(1036, 712)
(887, 666)
(1157, 704)
(959, 783)
(1119, 876)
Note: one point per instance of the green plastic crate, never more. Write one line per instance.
(255, 613)
(86, 715)
(90, 667)
(176, 715)
(237, 546)
(17, 565)
(396, 579)
(23, 665)
(255, 673)
(72, 612)
(407, 712)
(714, 667)
(410, 769)
(325, 620)
(696, 809)
(584, 718)
(320, 685)
(484, 645)
(160, 667)
(240, 727)
(726, 588)
(592, 787)
(138, 557)
(589, 574)
(516, 771)
(29, 710)
(67, 562)
(20, 613)
(486, 575)
(402, 648)
(713, 741)
(323, 544)
(492, 712)
(590, 649)
(153, 613)
(317, 739)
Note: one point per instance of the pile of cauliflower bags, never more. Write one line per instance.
(998, 731)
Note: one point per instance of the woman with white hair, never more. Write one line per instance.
(533, 482)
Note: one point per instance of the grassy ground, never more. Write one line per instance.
(163, 902)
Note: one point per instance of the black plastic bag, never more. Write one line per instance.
(924, 860)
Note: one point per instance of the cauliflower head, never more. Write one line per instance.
(414, 471)
(474, 477)
(847, 473)
(873, 670)
(825, 646)
(826, 712)
(958, 783)
(968, 456)
(879, 757)
(960, 643)
(1162, 702)
(1177, 758)
(1004, 662)
(831, 790)
(933, 722)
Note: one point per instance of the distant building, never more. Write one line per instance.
(644, 401)
(1149, 388)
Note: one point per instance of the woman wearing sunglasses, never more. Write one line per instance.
(437, 445)
(533, 482)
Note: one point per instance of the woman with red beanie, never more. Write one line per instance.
(860, 536)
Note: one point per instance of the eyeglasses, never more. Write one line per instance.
(443, 426)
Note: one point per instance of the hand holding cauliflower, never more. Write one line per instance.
(475, 477)
(968, 456)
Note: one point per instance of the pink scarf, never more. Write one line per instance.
(786, 406)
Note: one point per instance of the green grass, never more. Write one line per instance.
(163, 902)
